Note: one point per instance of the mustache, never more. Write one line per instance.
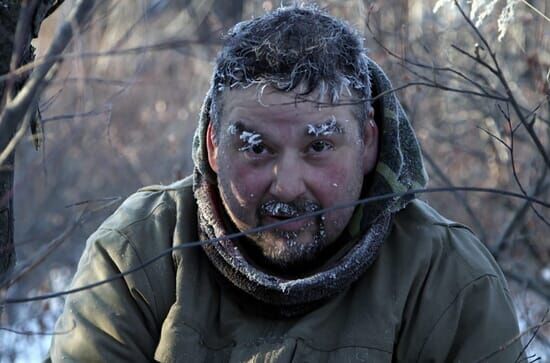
(275, 208)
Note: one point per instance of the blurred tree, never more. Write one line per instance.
(20, 22)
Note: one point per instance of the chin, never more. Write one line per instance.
(286, 253)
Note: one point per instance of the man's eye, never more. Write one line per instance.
(258, 149)
(320, 146)
(255, 149)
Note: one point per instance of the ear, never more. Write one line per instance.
(370, 138)
(212, 148)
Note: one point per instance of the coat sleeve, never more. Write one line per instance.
(114, 322)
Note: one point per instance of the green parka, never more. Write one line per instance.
(434, 294)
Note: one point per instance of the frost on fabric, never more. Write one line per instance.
(250, 140)
(327, 128)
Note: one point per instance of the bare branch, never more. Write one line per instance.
(535, 10)
(529, 283)
(535, 327)
(169, 44)
(435, 68)
(516, 219)
(500, 75)
(19, 134)
(475, 58)
(255, 230)
(15, 110)
(48, 249)
(45, 333)
(71, 116)
(460, 198)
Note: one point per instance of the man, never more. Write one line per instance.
(298, 120)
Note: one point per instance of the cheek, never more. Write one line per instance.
(339, 183)
(247, 184)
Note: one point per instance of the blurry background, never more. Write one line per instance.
(122, 116)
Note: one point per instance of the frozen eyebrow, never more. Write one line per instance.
(326, 128)
(234, 128)
(249, 138)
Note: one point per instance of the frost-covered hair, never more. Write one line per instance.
(292, 46)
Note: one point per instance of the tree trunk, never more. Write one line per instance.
(9, 13)
(30, 13)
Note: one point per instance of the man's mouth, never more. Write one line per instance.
(288, 224)
(274, 212)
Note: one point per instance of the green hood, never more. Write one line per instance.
(399, 168)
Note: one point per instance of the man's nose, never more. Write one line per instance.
(288, 179)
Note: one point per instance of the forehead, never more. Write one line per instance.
(269, 105)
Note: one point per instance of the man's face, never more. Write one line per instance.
(277, 159)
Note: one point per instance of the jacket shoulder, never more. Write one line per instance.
(125, 316)
(457, 305)
(145, 227)
(425, 232)
(148, 218)
(152, 203)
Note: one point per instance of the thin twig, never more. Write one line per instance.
(530, 283)
(113, 82)
(32, 332)
(48, 249)
(435, 68)
(474, 58)
(71, 116)
(19, 134)
(255, 230)
(460, 198)
(54, 7)
(511, 97)
(543, 321)
(160, 46)
(499, 139)
(20, 41)
(108, 200)
(15, 110)
(41, 255)
(516, 219)
(513, 340)
(536, 10)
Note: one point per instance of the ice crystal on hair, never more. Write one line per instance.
(324, 129)
(250, 139)
(232, 129)
(297, 48)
